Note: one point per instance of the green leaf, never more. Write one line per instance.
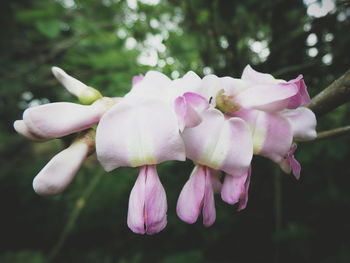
(49, 28)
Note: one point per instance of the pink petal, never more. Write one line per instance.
(136, 134)
(219, 143)
(188, 108)
(136, 79)
(244, 195)
(296, 167)
(233, 187)
(60, 170)
(190, 82)
(155, 203)
(209, 87)
(190, 201)
(291, 94)
(272, 133)
(23, 130)
(249, 74)
(136, 210)
(182, 111)
(302, 97)
(58, 119)
(209, 212)
(290, 164)
(303, 123)
(267, 97)
(154, 85)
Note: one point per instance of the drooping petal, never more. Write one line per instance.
(209, 211)
(58, 119)
(188, 108)
(147, 203)
(22, 129)
(136, 210)
(190, 201)
(290, 164)
(219, 143)
(60, 170)
(235, 189)
(272, 133)
(303, 123)
(198, 195)
(244, 195)
(136, 134)
(155, 203)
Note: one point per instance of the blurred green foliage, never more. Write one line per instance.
(105, 43)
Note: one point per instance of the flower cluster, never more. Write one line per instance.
(217, 122)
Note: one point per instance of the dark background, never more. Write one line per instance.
(104, 43)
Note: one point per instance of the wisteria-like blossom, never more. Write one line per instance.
(219, 123)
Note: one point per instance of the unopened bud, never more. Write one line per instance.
(86, 95)
(59, 172)
(89, 95)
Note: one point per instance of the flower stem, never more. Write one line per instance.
(79, 205)
(278, 210)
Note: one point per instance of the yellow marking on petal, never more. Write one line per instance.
(141, 146)
(225, 103)
(89, 95)
(259, 134)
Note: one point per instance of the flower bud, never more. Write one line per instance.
(22, 129)
(86, 95)
(59, 172)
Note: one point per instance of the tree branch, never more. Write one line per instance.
(294, 68)
(332, 133)
(333, 96)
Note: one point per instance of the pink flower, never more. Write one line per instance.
(142, 131)
(220, 143)
(218, 123)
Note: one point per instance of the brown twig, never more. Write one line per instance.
(333, 96)
(294, 68)
(333, 133)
